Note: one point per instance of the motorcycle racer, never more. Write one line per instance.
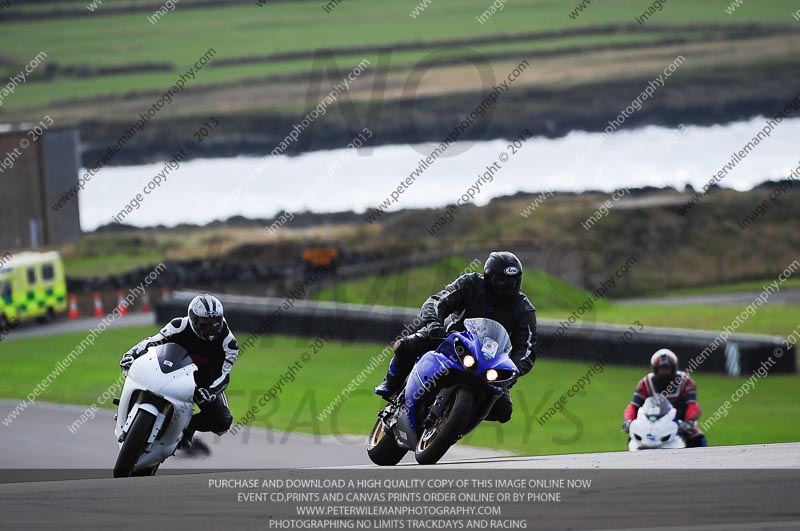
(677, 387)
(204, 333)
(496, 294)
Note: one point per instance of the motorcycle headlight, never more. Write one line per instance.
(491, 375)
(468, 361)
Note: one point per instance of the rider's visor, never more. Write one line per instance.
(506, 282)
(209, 324)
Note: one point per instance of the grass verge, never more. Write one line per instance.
(589, 423)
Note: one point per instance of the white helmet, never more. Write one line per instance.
(664, 358)
(205, 316)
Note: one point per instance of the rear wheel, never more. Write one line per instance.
(436, 440)
(382, 447)
(134, 443)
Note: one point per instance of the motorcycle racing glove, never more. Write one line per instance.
(626, 426)
(203, 395)
(687, 426)
(126, 362)
(436, 330)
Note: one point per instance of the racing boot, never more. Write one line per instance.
(193, 446)
(392, 382)
(186, 440)
(199, 447)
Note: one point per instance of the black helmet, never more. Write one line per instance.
(206, 316)
(502, 274)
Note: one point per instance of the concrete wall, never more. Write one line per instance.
(20, 192)
(32, 178)
(742, 354)
(61, 165)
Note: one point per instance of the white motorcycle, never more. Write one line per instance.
(655, 426)
(154, 408)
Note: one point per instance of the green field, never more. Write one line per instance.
(100, 254)
(107, 265)
(246, 30)
(109, 37)
(590, 423)
(557, 299)
(410, 288)
(714, 289)
(87, 89)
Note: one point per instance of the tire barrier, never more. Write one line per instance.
(186, 273)
(704, 351)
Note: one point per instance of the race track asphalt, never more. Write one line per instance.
(706, 489)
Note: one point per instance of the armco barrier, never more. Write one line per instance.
(588, 342)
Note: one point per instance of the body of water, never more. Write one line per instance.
(206, 189)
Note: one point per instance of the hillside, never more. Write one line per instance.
(706, 247)
(581, 69)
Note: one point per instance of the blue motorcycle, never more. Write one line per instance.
(448, 393)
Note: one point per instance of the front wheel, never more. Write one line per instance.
(382, 447)
(134, 443)
(436, 440)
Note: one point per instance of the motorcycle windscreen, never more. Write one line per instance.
(656, 407)
(493, 337)
(172, 357)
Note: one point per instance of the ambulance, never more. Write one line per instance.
(32, 287)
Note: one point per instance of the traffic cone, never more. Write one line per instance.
(145, 302)
(98, 305)
(122, 304)
(73, 306)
